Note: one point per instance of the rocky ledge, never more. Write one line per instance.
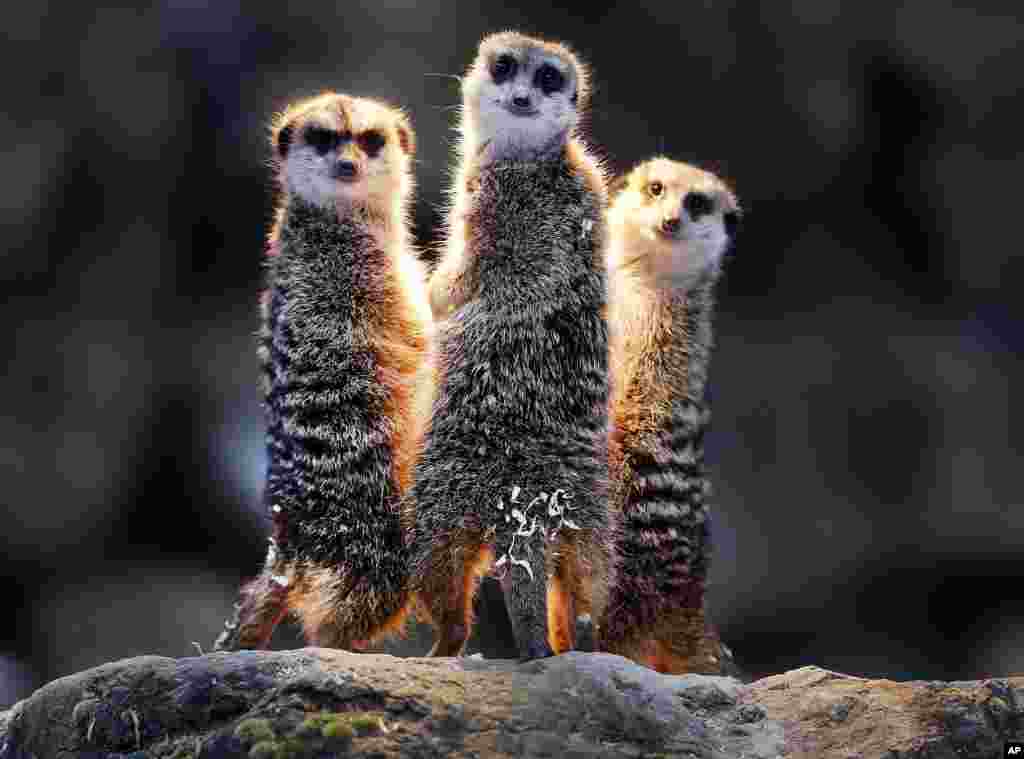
(322, 703)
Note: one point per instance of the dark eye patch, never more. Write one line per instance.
(322, 140)
(549, 79)
(503, 68)
(698, 204)
(372, 141)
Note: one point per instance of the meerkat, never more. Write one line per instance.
(343, 347)
(513, 478)
(670, 225)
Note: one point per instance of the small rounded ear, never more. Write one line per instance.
(283, 139)
(733, 221)
(406, 136)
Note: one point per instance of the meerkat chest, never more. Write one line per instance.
(529, 218)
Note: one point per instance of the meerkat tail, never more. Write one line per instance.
(447, 591)
(561, 608)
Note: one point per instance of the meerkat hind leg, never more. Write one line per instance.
(450, 610)
(567, 597)
(262, 606)
(448, 599)
(682, 643)
(690, 645)
(347, 634)
(561, 615)
(586, 581)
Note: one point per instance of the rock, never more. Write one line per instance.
(826, 714)
(321, 703)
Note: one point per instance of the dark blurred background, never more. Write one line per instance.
(868, 510)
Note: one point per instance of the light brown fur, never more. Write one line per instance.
(649, 350)
(651, 361)
(310, 598)
(399, 325)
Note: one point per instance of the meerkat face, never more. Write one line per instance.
(521, 97)
(336, 149)
(673, 222)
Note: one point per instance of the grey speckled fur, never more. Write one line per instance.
(330, 485)
(329, 438)
(523, 391)
(664, 541)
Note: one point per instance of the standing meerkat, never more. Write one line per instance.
(343, 347)
(513, 476)
(670, 224)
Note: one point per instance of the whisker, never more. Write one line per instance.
(629, 262)
(447, 76)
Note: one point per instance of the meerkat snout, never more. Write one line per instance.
(345, 170)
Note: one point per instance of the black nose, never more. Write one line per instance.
(670, 226)
(698, 204)
(521, 101)
(345, 170)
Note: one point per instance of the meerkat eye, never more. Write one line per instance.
(371, 142)
(322, 140)
(549, 79)
(503, 68)
(698, 204)
(655, 188)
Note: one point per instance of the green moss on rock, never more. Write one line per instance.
(364, 723)
(263, 750)
(312, 725)
(337, 729)
(254, 731)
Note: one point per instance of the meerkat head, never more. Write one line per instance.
(521, 98)
(671, 222)
(338, 151)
